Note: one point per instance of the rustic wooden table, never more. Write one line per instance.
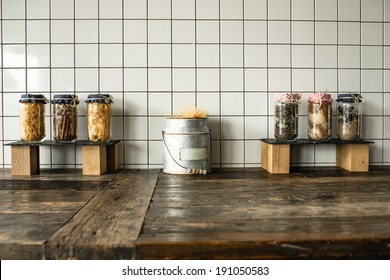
(227, 214)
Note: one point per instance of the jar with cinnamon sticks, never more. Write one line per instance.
(65, 117)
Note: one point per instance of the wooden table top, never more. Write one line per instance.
(227, 214)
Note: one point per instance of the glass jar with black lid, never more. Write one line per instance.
(99, 117)
(349, 116)
(65, 117)
(32, 117)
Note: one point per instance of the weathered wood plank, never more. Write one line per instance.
(108, 226)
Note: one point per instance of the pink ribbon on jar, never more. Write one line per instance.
(288, 97)
(318, 98)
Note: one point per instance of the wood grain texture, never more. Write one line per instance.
(25, 160)
(251, 214)
(352, 157)
(108, 226)
(94, 160)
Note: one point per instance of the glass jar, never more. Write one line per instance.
(99, 117)
(32, 117)
(349, 116)
(286, 116)
(320, 117)
(65, 117)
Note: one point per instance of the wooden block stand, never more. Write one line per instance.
(98, 157)
(350, 155)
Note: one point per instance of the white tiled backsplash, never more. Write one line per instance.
(228, 56)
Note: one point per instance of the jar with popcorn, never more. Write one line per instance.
(320, 117)
(286, 116)
(99, 117)
(32, 117)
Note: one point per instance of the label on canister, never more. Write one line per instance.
(194, 154)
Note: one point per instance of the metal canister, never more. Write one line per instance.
(187, 146)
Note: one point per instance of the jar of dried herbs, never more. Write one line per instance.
(65, 117)
(349, 116)
(320, 117)
(99, 117)
(32, 117)
(286, 116)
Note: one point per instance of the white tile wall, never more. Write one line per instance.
(229, 57)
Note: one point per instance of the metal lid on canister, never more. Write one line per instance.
(65, 99)
(33, 98)
(99, 98)
(349, 97)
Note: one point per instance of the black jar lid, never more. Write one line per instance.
(33, 98)
(65, 98)
(349, 97)
(99, 98)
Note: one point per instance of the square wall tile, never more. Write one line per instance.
(231, 9)
(159, 9)
(183, 55)
(110, 31)
(156, 126)
(387, 33)
(135, 31)
(255, 9)
(232, 32)
(207, 9)
(376, 152)
(45, 155)
(207, 32)
(183, 79)
(38, 31)
(256, 103)
(302, 9)
(86, 55)
(255, 55)
(232, 103)
(255, 80)
(325, 56)
(215, 153)
(13, 9)
(62, 55)
(256, 128)
(207, 55)
(136, 152)
(370, 127)
(62, 9)
(278, 56)
(302, 154)
(14, 80)
(326, 79)
(255, 32)
(371, 33)
(349, 33)
(62, 31)
(326, 9)
(386, 124)
(159, 31)
(349, 57)
(183, 9)
(160, 79)
(209, 101)
(38, 56)
(231, 55)
(232, 152)
(279, 79)
(38, 80)
(302, 79)
(11, 98)
(86, 9)
(13, 31)
(183, 31)
(159, 103)
(373, 104)
(110, 9)
(253, 152)
(302, 32)
(372, 57)
(302, 56)
(111, 80)
(117, 108)
(136, 103)
(326, 33)
(156, 149)
(372, 10)
(135, 8)
(387, 57)
(387, 103)
(182, 100)
(135, 55)
(14, 56)
(136, 128)
(64, 155)
(325, 153)
(11, 127)
(349, 80)
(349, 10)
(371, 81)
(386, 151)
(232, 79)
(159, 55)
(86, 79)
(136, 79)
(62, 80)
(214, 124)
(208, 79)
(279, 9)
(278, 32)
(86, 31)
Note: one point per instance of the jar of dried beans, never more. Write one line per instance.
(349, 116)
(65, 117)
(320, 117)
(99, 117)
(32, 117)
(286, 116)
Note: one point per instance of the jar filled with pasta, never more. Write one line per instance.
(32, 117)
(286, 116)
(65, 117)
(349, 116)
(99, 117)
(320, 117)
